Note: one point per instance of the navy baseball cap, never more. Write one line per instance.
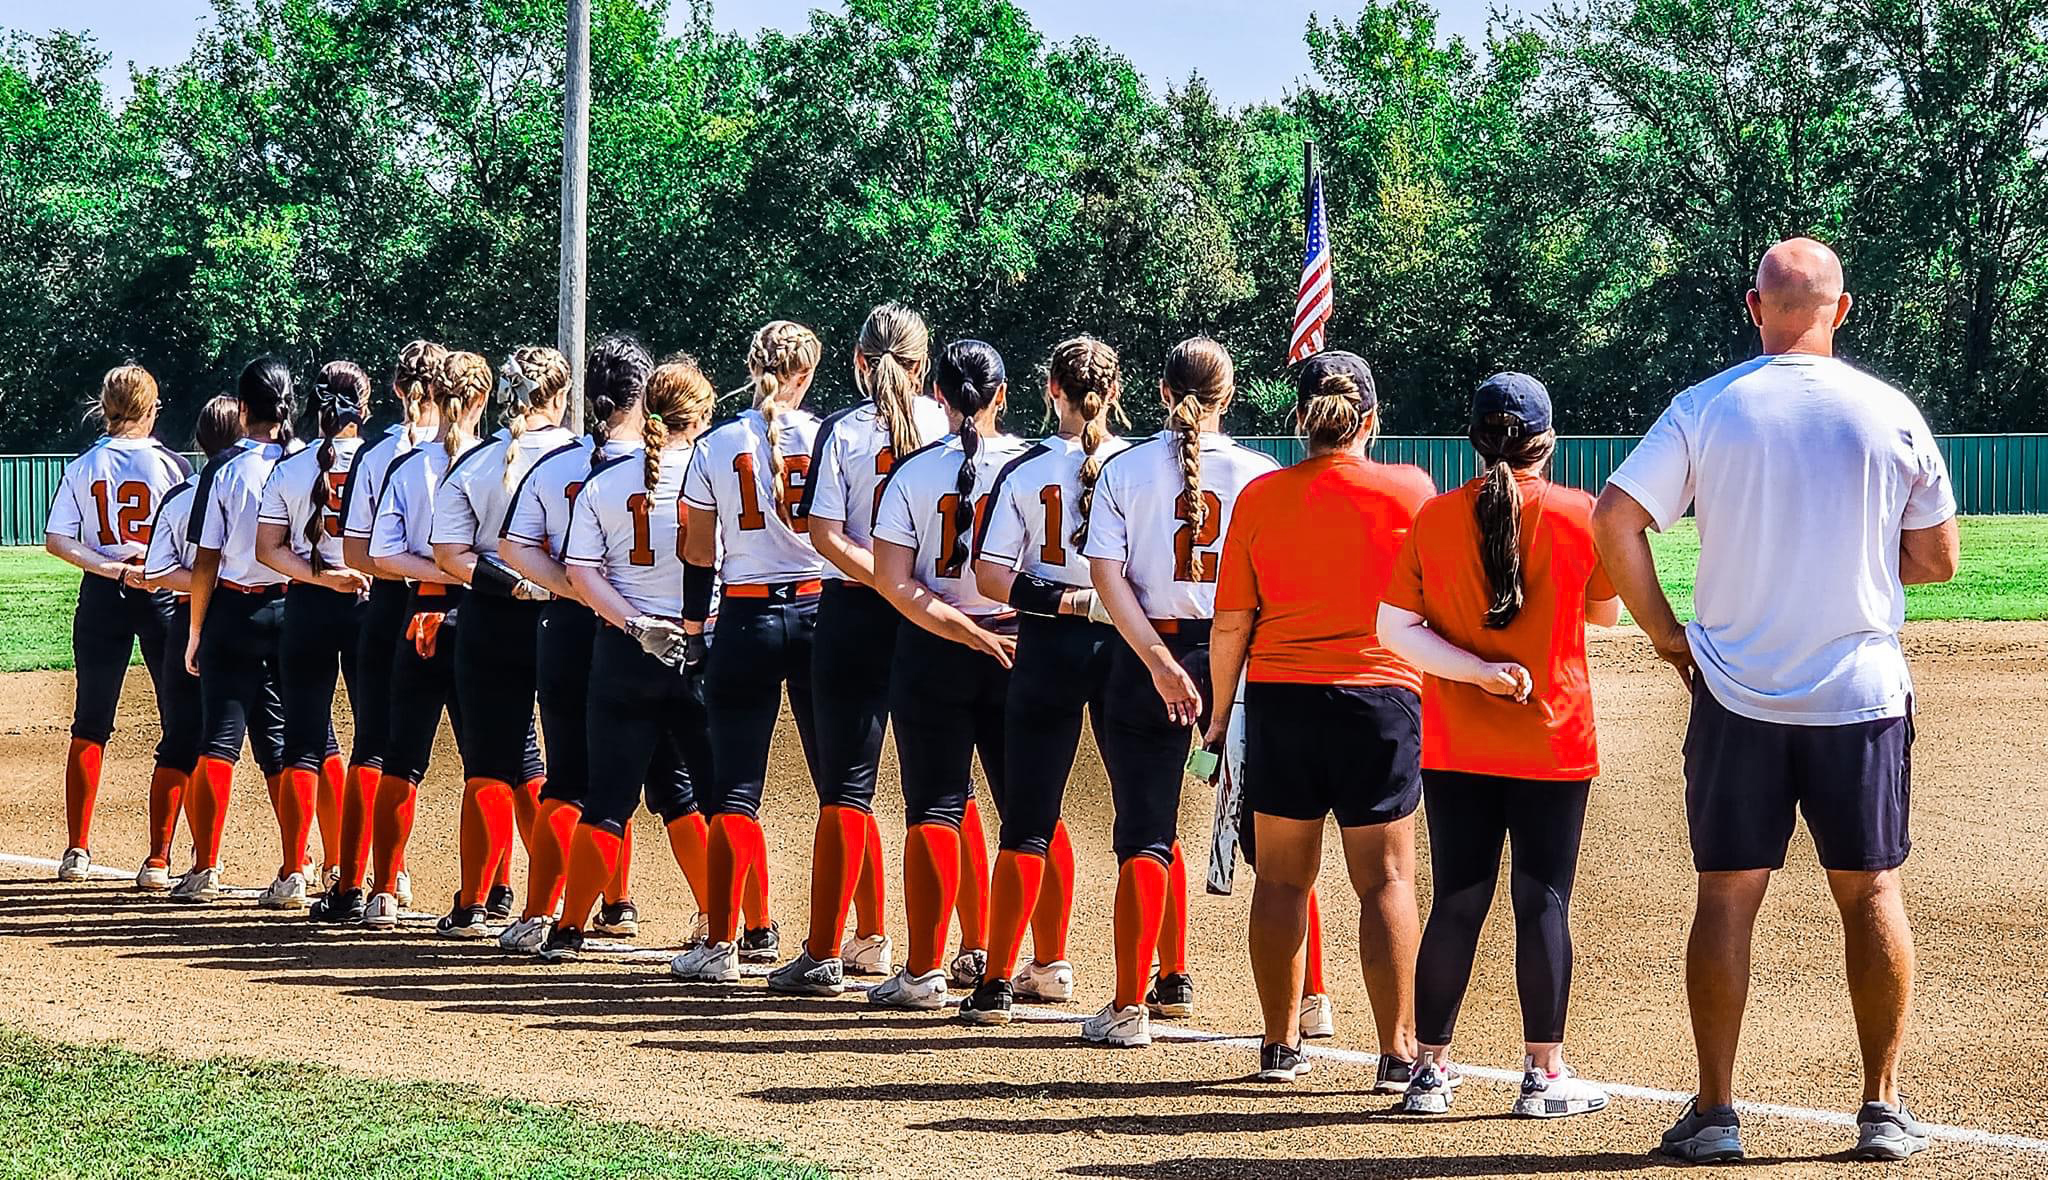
(1513, 395)
(1308, 380)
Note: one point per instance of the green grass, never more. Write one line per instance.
(2005, 570)
(97, 1112)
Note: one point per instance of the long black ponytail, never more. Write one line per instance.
(969, 374)
(341, 398)
(614, 378)
(265, 391)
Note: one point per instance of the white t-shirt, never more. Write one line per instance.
(405, 516)
(730, 474)
(471, 506)
(230, 492)
(365, 487)
(288, 498)
(632, 535)
(1802, 472)
(918, 508)
(109, 495)
(1137, 520)
(1034, 508)
(851, 457)
(169, 547)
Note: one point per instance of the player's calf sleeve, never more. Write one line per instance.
(1140, 901)
(1312, 968)
(620, 887)
(729, 864)
(166, 798)
(548, 864)
(485, 835)
(81, 786)
(297, 801)
(593, 860)
(1055, 909)
(356, 805)
(870, 888)
(1013, 895)
(207, 803)
(1173, 921)
(837, 849)
(391, 827)
(526, 809)
(688, 836)
(327, 806)
(931, 886)
(973, 898)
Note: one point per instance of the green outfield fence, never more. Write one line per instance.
(1993, 473)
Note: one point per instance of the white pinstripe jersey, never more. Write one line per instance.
(1034, 508)
(918, 508)
(632, 535)
(730, 474)
(851, 459)
(1139, 519)
(109, 494)
(472, 503)
(288, 497)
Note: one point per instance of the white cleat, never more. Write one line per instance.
(1555, 1096)
(1318, 1018)
(197, 887)
(716, 962)
(76, 865)
(921, 993)
(967, 969)
(401, 888)
(1049, 983)
(1123, 1027)
(153, 878)
(868, 954)
(526, 936)
(382, 912)
(285, 893)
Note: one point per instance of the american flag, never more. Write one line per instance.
(1312, 305)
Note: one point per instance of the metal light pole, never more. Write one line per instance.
(575, 203)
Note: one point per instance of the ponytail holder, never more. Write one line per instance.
(655, 418)
(513, 383)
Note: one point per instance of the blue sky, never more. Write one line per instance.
(1247, 49)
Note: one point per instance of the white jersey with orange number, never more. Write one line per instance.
(288, 497)
(229, 494)
(919, 511)
(109, 495)
(169, 548)
(633, 535)
(851, 458)
(472, 504)
(405, 515)
(1034, 508)
(365, 486)
(1140, 519)
(541, 503)
(765, 541)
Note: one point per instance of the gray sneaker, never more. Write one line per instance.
(1432, 1085)
(806, 976)
(1887, 1132)
(1704, 1136)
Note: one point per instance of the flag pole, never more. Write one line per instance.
(1308, 175)
(575, 204)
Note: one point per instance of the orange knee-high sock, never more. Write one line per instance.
(327, 805)
(593, 860)
(207, 802)
(1173, 920)
(485, 835)
(931, 886)
(166, 797)
(973, 901)
(687, 836)
(526, 809)
(870, 889)
(297, 801)
(548, 865)
(754, 889)
(1140, 900)
(391, 828)
(356, 805)
(1055, 909)
(1312, 973)
(1013, 893)
(81, 786)
(620, 887)
(837, 851)
(737, 851)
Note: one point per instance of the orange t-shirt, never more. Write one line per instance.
(1439, 576)
(1311, 548)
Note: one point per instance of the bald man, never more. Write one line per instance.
(1819, 495)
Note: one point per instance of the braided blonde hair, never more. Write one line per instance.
(1201, 380)
(412, 379)
(464, 380)
(782, 350)
(530, 378)
(1088, 375)
(896, 345)
(678, 396)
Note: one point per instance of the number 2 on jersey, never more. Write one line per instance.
(1192, 559)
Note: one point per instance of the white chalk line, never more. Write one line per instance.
(1972, 1136)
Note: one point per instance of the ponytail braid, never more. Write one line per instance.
(463, 381)
(679, 398)
(782, 350)
(1088, 374)
(1201, 380)
(528, 380)
(341, 397)
(412, 379)
(969, 375)
(613, 382)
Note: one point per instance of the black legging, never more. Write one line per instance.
(1469, 815)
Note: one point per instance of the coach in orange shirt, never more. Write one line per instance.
(1490, 599)
(1332, 718)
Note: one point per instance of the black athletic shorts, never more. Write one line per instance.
(1745, 778)
(1311, 750)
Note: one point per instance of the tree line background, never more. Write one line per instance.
(1583, 197)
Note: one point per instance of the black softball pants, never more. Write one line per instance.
(851, 655)
(108, 622)
(946, 701)
(241, 646)
(321, 627)
(644, 729)
(1469, 817)
(562, 655)
(761, 644)
(1062, 668)
(496, 675)
(1145, 753)
(376, 647)
(421, 687)
(178, 697)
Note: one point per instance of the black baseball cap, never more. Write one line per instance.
(1512, 395)
(1308, 379)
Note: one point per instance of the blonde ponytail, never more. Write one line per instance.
(1089, 376)
(896, 345)
(529, 379)
(782, 350)
(678, 397)
(1201, 380)
(464, 381)
(412, 379)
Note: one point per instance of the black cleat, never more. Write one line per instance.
(337, 906)
(989, 1003)
(498, 903)
(1172, 997)
(1281, 1063)
(564, 945)
(463, 921)
(619, 919)
(761, 946)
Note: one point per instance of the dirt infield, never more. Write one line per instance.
(901, 1094)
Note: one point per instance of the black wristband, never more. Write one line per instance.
(494, 577)
(697, 586)
(1034, 595)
